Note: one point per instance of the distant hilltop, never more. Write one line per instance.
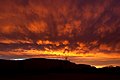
(41, 65)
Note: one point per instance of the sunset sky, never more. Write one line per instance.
(83, 31)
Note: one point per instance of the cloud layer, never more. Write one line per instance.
(81, 26)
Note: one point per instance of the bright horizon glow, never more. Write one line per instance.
(98, 60)
(19, 59)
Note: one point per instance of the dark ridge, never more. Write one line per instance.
(41, 65)
(50, 69)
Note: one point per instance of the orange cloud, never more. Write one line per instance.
(37, 27)
(60, 28)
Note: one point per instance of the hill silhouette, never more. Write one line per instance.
(40, 66)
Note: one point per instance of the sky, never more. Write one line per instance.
(81, 31)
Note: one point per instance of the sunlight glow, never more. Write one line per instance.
(18, 59)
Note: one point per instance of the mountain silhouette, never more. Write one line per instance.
(40, 67)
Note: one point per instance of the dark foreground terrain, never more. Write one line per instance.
(48, 69)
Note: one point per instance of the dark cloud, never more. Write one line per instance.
(38, 24)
